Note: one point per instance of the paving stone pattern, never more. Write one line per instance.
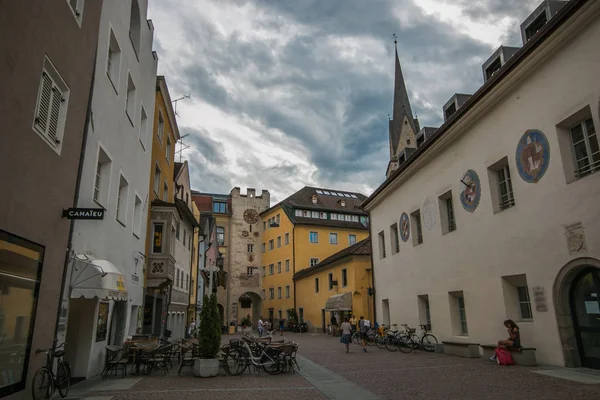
(386, 375)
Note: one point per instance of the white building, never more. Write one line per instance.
(495, 215)
(106, 287)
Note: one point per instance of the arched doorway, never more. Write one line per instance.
(249, 303)
(576, 295)
(221, 313)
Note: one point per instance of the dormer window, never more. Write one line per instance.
(314, 199)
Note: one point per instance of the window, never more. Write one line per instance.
(271, 293)
(344, 277)
(177, 281)
(418, 229)
(168, 150)
(184, 237)
(51, 107)
(157, 237)
(287, 265)
(501, 186)
(156, 179)
(279, 267)
(102, 179)
(524, 302)
(298, 213)
(381, 237)
(278, 219)
(278, 241)
(143, 127)
(250, 248)
(584, 142)
(264, 294)
(301, 315)
(314, 261)
(137, 216)
(463, 316)
(20, 272)
(394, 238)
(221, 236)
(250, 271)
(135, 27)
(264, 226)
(271, 269)
(130, 102)
(448, 221)
(333, 238)
(178, 230)
(330, 281)
(313, 237)
(351, 240)
(113, 62)
(122, 200)
(165, 192)
(220, 207)
(263, 248)
(279, 292)
(264, 269)
(316, 285)
(160, 131)
(287, 239)
(535, 26)
(287, 292)
(271, 244)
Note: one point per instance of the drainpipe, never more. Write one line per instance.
(88, 117)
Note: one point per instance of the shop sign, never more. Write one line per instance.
(83, 213)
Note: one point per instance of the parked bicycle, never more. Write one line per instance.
(45, 382)
(424, 339)
(258, 353)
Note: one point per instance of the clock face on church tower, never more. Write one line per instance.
(251, 216)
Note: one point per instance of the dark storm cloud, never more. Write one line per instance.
(306, 97)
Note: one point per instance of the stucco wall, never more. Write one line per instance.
(528, 238)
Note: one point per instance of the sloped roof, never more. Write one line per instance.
(362, 248)
(177, 167)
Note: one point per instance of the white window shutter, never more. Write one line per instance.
(41, 119)
(54, 115)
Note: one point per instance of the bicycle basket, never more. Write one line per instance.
(411, 330)
(234, 343)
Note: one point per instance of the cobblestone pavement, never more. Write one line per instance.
(389, 375)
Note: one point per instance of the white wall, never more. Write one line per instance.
(528, 238)
(112, 129)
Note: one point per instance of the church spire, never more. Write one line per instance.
(401, 102)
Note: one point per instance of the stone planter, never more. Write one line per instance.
(206, 367)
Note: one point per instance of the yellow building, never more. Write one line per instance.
(299, 232)
(165, 135)
(337, 286)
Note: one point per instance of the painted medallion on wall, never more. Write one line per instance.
(429, 214)
(533, 156)
(470, 190)
(404, 227)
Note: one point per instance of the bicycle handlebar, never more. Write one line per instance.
(37, 351)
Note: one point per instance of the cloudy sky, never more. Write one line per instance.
(292, 93)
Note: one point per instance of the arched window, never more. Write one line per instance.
(135, 26)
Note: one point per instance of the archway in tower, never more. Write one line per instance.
(249, 303)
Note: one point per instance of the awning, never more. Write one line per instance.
(93, 278)
(339, 302)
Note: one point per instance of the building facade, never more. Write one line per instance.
(164, 136)
(511, 230)
(105, 283)
(243, 277)
(299, 232)
(339, 286)
(44, 101)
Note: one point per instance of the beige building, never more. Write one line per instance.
(495, 215)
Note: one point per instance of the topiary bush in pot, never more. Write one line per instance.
(209, 339)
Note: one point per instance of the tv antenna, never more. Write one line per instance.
(182, 146)
(187, 96)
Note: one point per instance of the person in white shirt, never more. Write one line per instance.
(260, 327)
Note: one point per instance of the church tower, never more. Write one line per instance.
(403, 127)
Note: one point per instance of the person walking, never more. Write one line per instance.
(363, 333)
(346, 334)
(353, 322)
(281, 326)
(260, 326)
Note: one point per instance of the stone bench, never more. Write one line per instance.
(462, 349)
(521, 356)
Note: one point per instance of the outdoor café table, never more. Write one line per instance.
(138, 349)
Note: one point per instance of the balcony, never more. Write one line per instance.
(160, 268)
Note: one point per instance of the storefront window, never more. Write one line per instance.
(102, 326)
(20, 271)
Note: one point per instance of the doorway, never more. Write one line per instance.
(324, 325)
(585, 308)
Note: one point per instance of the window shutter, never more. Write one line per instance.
(54, 115)
(41, 119)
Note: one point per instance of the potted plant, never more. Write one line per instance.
(209, 339)
(246, 323)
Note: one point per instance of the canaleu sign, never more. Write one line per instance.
(83, 213)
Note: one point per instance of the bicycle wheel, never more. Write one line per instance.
(406, 344)
(42, 386)
(380, 341)
(233, 364)
(273, 367)
(428, 342)
(356, 338)
(63, 378)
(392, 343)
